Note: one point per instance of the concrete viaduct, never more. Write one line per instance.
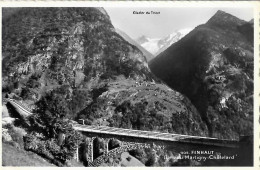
(128, 139)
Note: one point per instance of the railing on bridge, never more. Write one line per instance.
(140, 133)
(156, 135)
(19, 106)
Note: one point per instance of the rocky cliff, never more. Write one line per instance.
(72, 62)
(68, 45)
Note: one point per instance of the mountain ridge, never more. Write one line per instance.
(73, 59)
(148, 55)
(206, 65)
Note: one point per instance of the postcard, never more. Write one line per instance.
(130, 84)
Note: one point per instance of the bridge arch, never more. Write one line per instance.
(98, 147)
(113, 143)
(124, 148)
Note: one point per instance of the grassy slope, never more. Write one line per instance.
(144, 106)
(11, 156)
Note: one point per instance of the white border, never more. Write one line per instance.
(232, 4)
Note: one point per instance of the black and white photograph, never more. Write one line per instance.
(128, 86)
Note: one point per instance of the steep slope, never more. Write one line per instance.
(71, 61)
(147, 54)
(213, 66)
(145, 106)
(158, 45)
(86, 37)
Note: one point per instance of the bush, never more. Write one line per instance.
(16, 134)
(50, 149)
(138, 154)
(47, 124)
(32, 143)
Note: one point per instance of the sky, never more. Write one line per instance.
(169, 19)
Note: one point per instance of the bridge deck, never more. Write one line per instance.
(155, 135)
(139, 133)
(19, 106)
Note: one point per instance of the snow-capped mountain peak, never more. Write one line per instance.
(158, 45)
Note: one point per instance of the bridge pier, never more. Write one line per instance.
(106, 141)
(88, 149)
(76, 156)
